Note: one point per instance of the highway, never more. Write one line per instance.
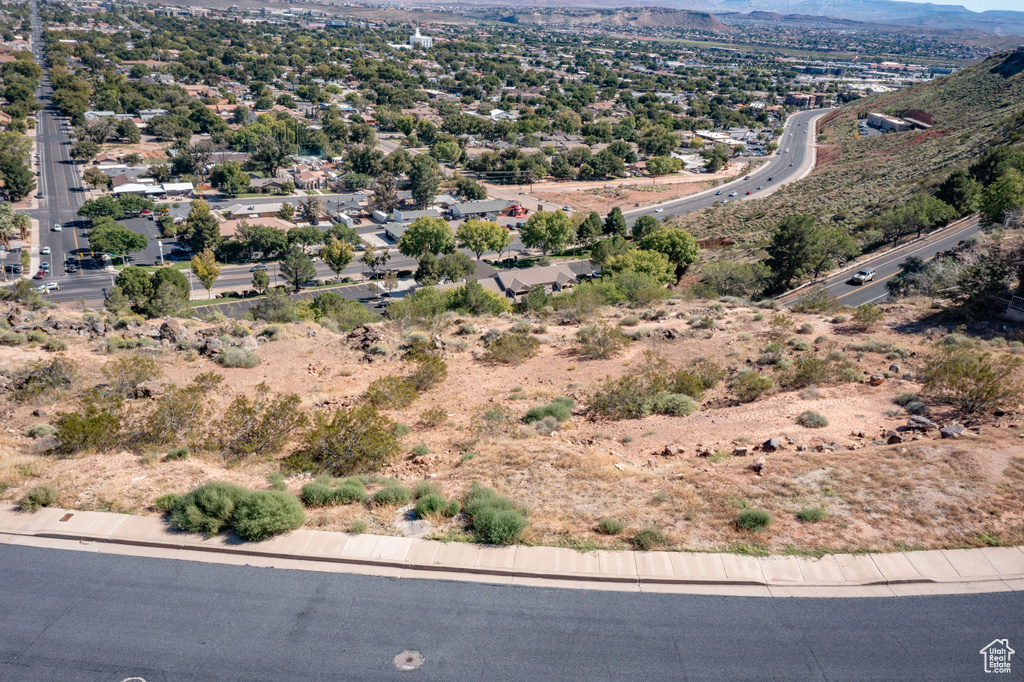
(793, 160)
(888, 266)
(85, 616)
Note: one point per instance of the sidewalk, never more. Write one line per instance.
(956, 571)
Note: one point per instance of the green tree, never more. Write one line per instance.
(615, 223)
(337, 254)
(793, 250)
(651, 263)
(677, 245)
(470, 190)
(96, 178)
(385, 194)
(202, 229)
(590, 229)
(230, 178)
(107, 236)
(358, 440)
(260, 280)
(481, 236)
(297, 267)
(427, 235)
(204, 267)
(19, 181)
(644, 225)
(374, 260)
(171, 293)
(424, 180)
(548, 230)
(311, 208)
(1003, 196)
(84, 150)
(960, 191)
(136, 285)
(270, 154)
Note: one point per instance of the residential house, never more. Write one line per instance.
(475, 209)
(407, 216)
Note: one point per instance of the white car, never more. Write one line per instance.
(732, 194)
(658, 210)
(45, 250)
(49, 286)
(567, 209)
(56, 227)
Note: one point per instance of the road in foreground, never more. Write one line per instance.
(841, 288)
(78, 616)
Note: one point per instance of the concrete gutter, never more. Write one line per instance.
(988, 569)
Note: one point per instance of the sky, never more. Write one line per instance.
(981, 5)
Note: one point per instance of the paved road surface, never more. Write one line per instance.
(887, 267)
(79, 616)
(784, 167)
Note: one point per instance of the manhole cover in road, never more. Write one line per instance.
(409, 660)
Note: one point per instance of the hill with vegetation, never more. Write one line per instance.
(857, 178)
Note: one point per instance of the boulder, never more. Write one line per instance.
(919, 423)
(759, 466)
(876, 380)
(892, 438)
(213, 346)
(771, 445)
(894, 368)
(247, 343)
(151, 389)
(671, 451)
(741, 451)
(174, 331)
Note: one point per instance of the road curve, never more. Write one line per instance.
(82, 616)
(783, 168)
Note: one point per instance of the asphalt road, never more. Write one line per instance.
(81, 616)
(886, 267)
(794, 158)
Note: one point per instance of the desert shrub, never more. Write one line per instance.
(971, 380)
(126, 373)
(629, 321)
(817, 301)
(512, 348)
(391, 392)
(705, 322)
(272, 332)
(350, 441)
(263, 513)
(902, 399)
(435, 504)
(543, 427)
(392, 495)
(754, 520)
(810, 394)
(560, 409)
(181, 415)
(493, 421)
(11, 339)
(465, 329)
(610, 526)
(42, 378)
(707, 372)
(599, 341)
(521, 327)
(433, 417)
(35, 336)
(351, 490)
(317, 494)
(177, 454)
(357, 527)
(261, 425)
(421, 450)
(867, 317)
(818, 340)
(54, 345)
(632, 395)
(96, 426)
(870, 346)
(207, 509)
(898, 354)
(401, 430)
(674, 404)
(799, 345)
(917, 407)
(648, 538)
(378, 349)
(165, 503)
(811, 370)
(496, 519)
(343, 315)
(276, 481)
(40, 431)
(805, 328)
(811, 514)
(430, 371)
(238, 358)
(748, 386)
(812, 419)
(424, 488)
(240, 331)
(840, 319)
(39, 496)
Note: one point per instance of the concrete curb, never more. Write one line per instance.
(991, 569)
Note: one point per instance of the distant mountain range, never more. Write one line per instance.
(892, 12)
(925, 15)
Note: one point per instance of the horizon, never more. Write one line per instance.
(977, 5)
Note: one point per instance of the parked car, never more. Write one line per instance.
(863, 276)
(44, 250)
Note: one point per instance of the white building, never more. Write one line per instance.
(416, 40)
